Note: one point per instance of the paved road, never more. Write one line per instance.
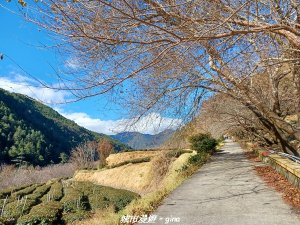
(226, 191)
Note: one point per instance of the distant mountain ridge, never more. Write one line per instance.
(138, 140)
(35, 133)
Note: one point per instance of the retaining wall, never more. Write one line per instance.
(286, 167)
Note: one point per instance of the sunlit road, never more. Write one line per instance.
(226, 191)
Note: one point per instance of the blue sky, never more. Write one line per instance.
(25, 59)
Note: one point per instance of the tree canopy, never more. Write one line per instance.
(170, 55)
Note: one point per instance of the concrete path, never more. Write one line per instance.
(226, 191)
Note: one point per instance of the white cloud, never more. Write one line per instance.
(72, 63)
(150, 124)
(27, 86)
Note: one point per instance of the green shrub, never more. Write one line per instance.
(5, 201)
(15, 209)
(39, 192)
(9, 191)
(98, 201)
(121, 202)
(55, 193)
(198, 159)
(44, 214)
(5, 193)
(75, 216)
(85, 187)
(25, 191)
(119, 198)
(203, 143)
(76, 204)
(72, 200)
(2, 221)
(97, 195)
(193, 164)
(207, 145)
(100, 197)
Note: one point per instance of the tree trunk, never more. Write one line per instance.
(271, 126)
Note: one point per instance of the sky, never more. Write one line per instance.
(27, 58)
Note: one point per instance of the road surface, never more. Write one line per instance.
(226, 191)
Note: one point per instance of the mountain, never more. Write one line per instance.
(138, 140)
(35, 133)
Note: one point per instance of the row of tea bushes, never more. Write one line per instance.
(59, 202)
(44, 213)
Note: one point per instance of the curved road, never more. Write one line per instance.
(226, 191)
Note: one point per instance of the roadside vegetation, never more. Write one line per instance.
(59, 202)
(166, 172)
(122, 183)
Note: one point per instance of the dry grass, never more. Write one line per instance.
(132, 177)
(141, 178)
(169, 178)
(118, 158)
(11, 176)
(176, 166)
(220, 145)
(160, 166)
(291, 118)
(148, 203)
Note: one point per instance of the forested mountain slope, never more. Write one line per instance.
(34, 133)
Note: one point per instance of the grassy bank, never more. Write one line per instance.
(178, 170)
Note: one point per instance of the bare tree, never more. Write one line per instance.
(105, 148)
(168, 54)
(223, 115)
(85, 154)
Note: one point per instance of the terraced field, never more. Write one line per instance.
(58, 202)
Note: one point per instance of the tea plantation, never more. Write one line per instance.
(58, 202)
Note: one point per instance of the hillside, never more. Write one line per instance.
(138, 140)
(35, 133)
